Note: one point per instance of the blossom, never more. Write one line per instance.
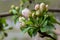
(36, 6)
(26, 12)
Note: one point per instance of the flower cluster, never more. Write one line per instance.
(41, 7)
(26, 13)
(37, 20)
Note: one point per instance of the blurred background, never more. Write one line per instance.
(16, 34)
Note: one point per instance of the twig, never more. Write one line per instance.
(46, 35)
(54, 10)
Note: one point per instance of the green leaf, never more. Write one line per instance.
(3, 21)
(44, 19)
(29, 22)
(43, 29)
(30, 32)
(33, 20)
(40, 19)
(35, 31)
(50, 27)
(24, 1)
(45, 23)
(15, 18)
(25, 29)
(14, 11)
(53, 19)
(10, 28)
(5, 34)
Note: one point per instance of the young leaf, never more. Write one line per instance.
(14, 11)
(29, 22)
(30, 32)
(45, 23)
(43, 29)
(53, 19)
(15, 18)
(25, 29)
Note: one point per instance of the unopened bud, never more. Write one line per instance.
(28, 18)
(22, 24)
(37, 12)
(16, 8)
(21, 19)
(46, 7)
(10, 11)
(33, 14)
(36, 6)
(42, 7)
(12, 6)
(46, 15)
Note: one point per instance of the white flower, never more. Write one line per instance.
(26, 12)
(42, 7)
(36, 6)
(21, 19)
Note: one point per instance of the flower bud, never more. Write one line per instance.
(10, 11)
(46, 15)
(12, 6)
(46, 7)
(37, 12)
(26, 12)
(28, 18)
(21, 19)
(22, 24)
(42, 7)
(36, 6)
(16, 8)
(33, 14)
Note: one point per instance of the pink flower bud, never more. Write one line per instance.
(26, 12)
(36, 6)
